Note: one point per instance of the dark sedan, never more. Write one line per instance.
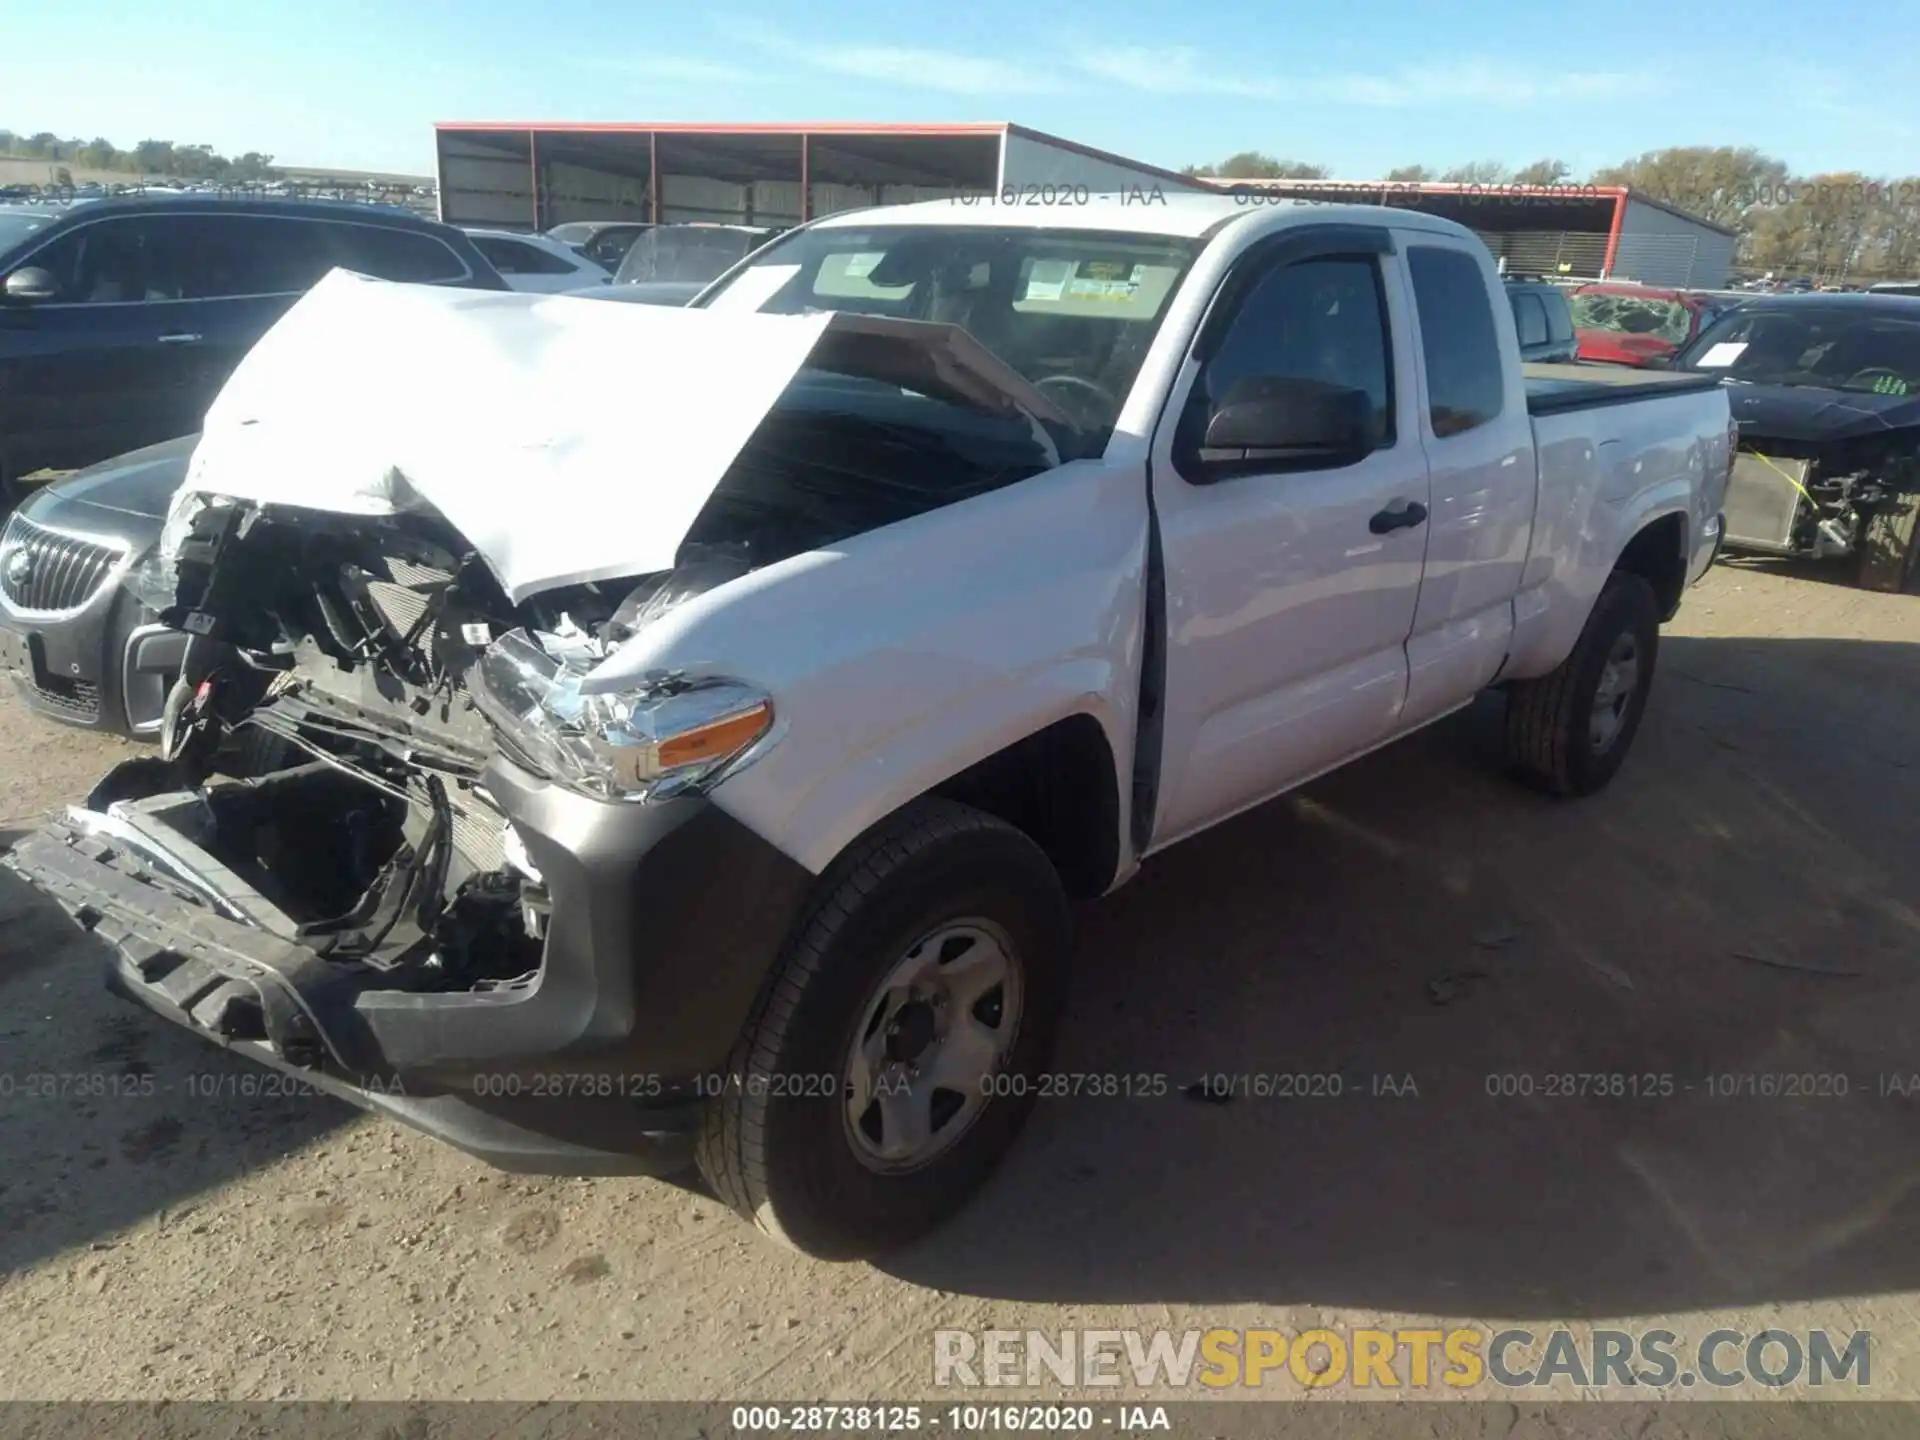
(1826, 393)
(79, 646)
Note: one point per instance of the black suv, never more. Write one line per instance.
(121, 319)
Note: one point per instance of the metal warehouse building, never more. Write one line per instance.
(1586, 231)
(532, 176)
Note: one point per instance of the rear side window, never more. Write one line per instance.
(223, 256)
(1559, 314)
(1466, 381)
(510, 257)
(394, 254)
(1530, 319)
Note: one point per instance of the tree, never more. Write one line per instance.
(1894, 231)
(1257, 165)
(1721, 184)
(254, 166)
(1476, 172)
(1543, 172)
(40, 146)
(1409, 174)
(153, 157)
(99, 154)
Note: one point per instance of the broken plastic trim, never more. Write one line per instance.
(666, 736)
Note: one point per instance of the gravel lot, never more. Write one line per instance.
(1742, 901)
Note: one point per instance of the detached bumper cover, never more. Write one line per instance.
(649, 972)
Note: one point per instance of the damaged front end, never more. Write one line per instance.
(378, 783)
(1797, 497)
(409, 826)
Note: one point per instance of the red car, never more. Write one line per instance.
(1618, 323)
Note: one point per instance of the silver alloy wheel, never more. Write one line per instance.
(930, 1038)
(1618, 680)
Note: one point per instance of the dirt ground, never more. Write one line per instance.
(1742, 901)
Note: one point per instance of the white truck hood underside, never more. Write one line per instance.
(567, 439)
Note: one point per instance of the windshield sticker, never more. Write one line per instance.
(1723, 354)
(1047, 280)
(858, 267)
(754, 287)
(1104, 280)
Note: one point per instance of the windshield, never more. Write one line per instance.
(1666, 320)
(16, 225)
(687, 253)
(1830, 347)
(1072, 311)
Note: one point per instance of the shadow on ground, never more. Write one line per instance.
(1741, 903)
(110, 1116)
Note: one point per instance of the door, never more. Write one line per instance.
(1290, 585)
(87, 373)
(1478, 439)
(242, 272)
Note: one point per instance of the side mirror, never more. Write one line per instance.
(31, 283)
(1276, 422)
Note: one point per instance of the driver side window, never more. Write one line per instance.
(110, 262)
(1323, 320)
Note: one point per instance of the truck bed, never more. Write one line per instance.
(1555, 389)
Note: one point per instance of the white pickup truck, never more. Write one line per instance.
(619, 736)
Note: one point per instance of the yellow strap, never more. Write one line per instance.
(1768, 462)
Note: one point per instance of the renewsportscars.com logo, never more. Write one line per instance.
(1407, 1359)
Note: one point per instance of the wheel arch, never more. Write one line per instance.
(1658, 554)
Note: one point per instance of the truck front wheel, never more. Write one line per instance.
(1889, 546)
(1569, 731)
(898, 1045)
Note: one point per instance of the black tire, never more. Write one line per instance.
(1549, 720)
(1888, 546)
(777, 1149)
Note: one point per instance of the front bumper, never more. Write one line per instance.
(665, 921)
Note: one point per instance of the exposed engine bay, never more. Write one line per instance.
(1797, 498)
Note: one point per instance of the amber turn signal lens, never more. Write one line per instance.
(726, 736)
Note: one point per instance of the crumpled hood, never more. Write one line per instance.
(567, 440)
(1810, 414)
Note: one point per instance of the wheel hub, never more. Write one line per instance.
(1619, 679)
(931, 1035)
(911, 1032)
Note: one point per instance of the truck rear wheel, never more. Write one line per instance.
(895, 1051)
(1889, 546)
(1569, 731)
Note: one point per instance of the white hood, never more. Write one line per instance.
(565, 438)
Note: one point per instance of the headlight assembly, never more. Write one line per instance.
(663, 737)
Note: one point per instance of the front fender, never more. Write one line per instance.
(899, 658)
(878, 778)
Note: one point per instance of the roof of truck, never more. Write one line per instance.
(1147, 211)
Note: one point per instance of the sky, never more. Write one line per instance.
(1359, 85)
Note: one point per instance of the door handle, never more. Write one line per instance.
(179, 337)
(1401, 515)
